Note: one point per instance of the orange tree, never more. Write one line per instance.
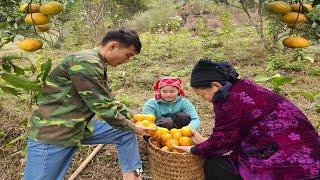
(296, 23)
(23, 76)
(10, 21)
(24, 19)
(32, 20)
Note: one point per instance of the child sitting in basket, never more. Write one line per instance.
(169, 105)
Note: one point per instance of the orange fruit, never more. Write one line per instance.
(293, 18)
(298, 7)
(185, 141)
(51, 8)
(278, 7)
(186, 131)
(138, 117)
(177, 136)
(150, 117)
(295, 42)
(165, 148)
(165, 137)
(157, 134)
(43, 28)
(138, 123)
(173, 131)
(36, 18)
(25, 6)
(166, 130)
(156, 143)
(30, 44)
(154, 127)
(145, 122)
(172, 142)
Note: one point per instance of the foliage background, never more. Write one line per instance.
(175, 34)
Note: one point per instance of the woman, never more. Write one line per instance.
(267, 135)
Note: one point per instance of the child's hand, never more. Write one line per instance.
(197, 138)
(183, 148)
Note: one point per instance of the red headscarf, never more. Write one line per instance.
(167, 81)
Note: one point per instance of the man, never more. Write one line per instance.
(74, 92)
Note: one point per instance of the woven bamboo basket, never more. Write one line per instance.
(174, 166)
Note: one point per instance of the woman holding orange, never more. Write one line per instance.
(267, 135)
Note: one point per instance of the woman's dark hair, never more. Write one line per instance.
(207, 71)
(125, 37)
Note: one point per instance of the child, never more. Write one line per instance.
(267, 135)
(169, 105)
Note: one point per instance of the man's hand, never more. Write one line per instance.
(138, 129)
(132, 113)
(197, 138)
(142, 130)
(183, 148)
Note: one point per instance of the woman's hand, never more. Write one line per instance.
(197, 138)
(183, 148)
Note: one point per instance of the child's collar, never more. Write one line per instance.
(166, 102)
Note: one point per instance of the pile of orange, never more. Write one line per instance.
(146, 120)
(38, 16)
(162, 138)
(165, 139)
(294, 17)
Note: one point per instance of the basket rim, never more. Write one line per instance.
(154, 147)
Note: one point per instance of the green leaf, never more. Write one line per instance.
(262, 79)
(9, 90)
(308, 57)
(275, 76)
(6, 66)
(314, 72)
(20, 82)
(3, 25)
(297, 58)
(306, 95)
(45, 69)
(316, 95)
(18, 70)
(277, 89)
(23, 122)
(11, 57)
(24, 150)
(281, 80)
(1, 134)
(32, 68)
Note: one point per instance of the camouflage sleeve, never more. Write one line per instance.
(87, 78)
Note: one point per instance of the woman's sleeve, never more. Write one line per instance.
(233, 121)
(219, 143)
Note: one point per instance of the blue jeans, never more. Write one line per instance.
(47, 161)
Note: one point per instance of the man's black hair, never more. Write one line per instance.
(126, 37)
